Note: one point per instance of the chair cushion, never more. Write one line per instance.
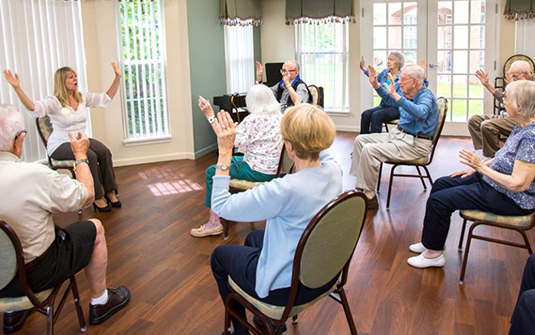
(20, 303)
(62, 164)
(475, 215)
(244, 184)
(396, 121)
(273, 311)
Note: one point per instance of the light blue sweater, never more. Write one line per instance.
(288, 204)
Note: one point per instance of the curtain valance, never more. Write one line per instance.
(240, 12)
(519, 9)
(316, 11)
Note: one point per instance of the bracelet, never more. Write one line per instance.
(222, 167)
(80, 161)
(211, 119)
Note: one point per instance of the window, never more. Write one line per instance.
(239, 57)
(144, 84)
(323, 54)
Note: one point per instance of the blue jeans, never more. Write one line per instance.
(523, 319)
(450, 194)
(371, 120)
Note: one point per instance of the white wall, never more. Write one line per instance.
(100, 41)
(524, 38)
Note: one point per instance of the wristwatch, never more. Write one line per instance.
(211, 119)
(79, 161)
(222, 167)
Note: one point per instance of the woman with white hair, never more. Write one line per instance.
(371, 120)
(504, 185)
(68, 112)
(258, 137)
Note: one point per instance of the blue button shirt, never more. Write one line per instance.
(417, 116)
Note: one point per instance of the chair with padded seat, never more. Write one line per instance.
(11, 264)
(240, 185)
(44, 128)
(392, 123)
(317, 95)
(323, 253)
(520, 224)
(422, 162)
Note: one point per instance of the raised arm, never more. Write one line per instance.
(208, 111)
(115, 84)
(484, 80)
(13, 80)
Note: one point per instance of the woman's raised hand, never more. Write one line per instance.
(206, 107)
(259, 71)
(226, 132)
(116, 69)
(372, 77)
(390, 88)
(470, 158)
(362, 64)
(13, 80)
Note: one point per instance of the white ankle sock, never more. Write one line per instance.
(103, 299)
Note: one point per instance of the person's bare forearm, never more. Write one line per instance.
(27, 102)
(83, 175)
(112, 91)
(293, 95)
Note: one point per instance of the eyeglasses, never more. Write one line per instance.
(283, 71)
(21, 132)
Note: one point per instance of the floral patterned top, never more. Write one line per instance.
(519, 146)
(259, 137)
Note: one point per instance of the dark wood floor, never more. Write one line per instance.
(173, 291)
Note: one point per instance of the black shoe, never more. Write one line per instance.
(117, 299)
(107, 208)
(116, 204)
(260, 325)
(14, 321)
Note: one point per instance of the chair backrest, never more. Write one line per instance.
(44, 128)
(8, 250)
(317, 95)
(285, 163)
(514, 58)
(442, 113)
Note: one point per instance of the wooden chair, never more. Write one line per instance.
(393, 123)
(317, 95)
(520, 224)
(44, 127)
(240, 185)
(323, 253)
(12, 263)
(422, 162)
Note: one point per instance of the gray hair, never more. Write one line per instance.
(11, 123)
(415, 71)
(522, 65)
(260, 99)
(522, 92)
(400, 58)
(294, 63)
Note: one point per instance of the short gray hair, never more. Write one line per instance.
(522, 92)
(11, 123)
(260, 99)
(522, 65)
(400, 58)
(294, 63)
(415, 71)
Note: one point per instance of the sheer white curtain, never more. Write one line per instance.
(36, 38)
(239, 56)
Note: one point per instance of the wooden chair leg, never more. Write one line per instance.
(79, 311)
(347, 312)
(379, 179)
(390, 187)
(50, 320)
(467, 250)
(428, 175)
(461, 238)
(227, 321)
(526, 240)
(421, 176)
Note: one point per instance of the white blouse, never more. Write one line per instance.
(66, 119)
(259, 137)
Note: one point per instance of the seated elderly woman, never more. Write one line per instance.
(504, 185)
(263, 267)
(258, 137)
(371, 120)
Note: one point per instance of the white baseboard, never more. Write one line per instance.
(354, 129)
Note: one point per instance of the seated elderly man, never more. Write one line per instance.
(291, 90)
(486, 130)
(52, 254)
(418, 111)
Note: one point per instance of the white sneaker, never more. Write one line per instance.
(417, 248)
(202, 231)
(421, 262)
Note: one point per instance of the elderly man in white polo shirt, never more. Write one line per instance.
(52, 254)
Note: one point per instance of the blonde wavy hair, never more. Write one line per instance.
(60, 90)
(309, 129)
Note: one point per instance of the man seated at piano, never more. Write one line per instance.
(291, 90)
(258, 137)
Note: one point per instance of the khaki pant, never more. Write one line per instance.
(371, 150)
(486, 131)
